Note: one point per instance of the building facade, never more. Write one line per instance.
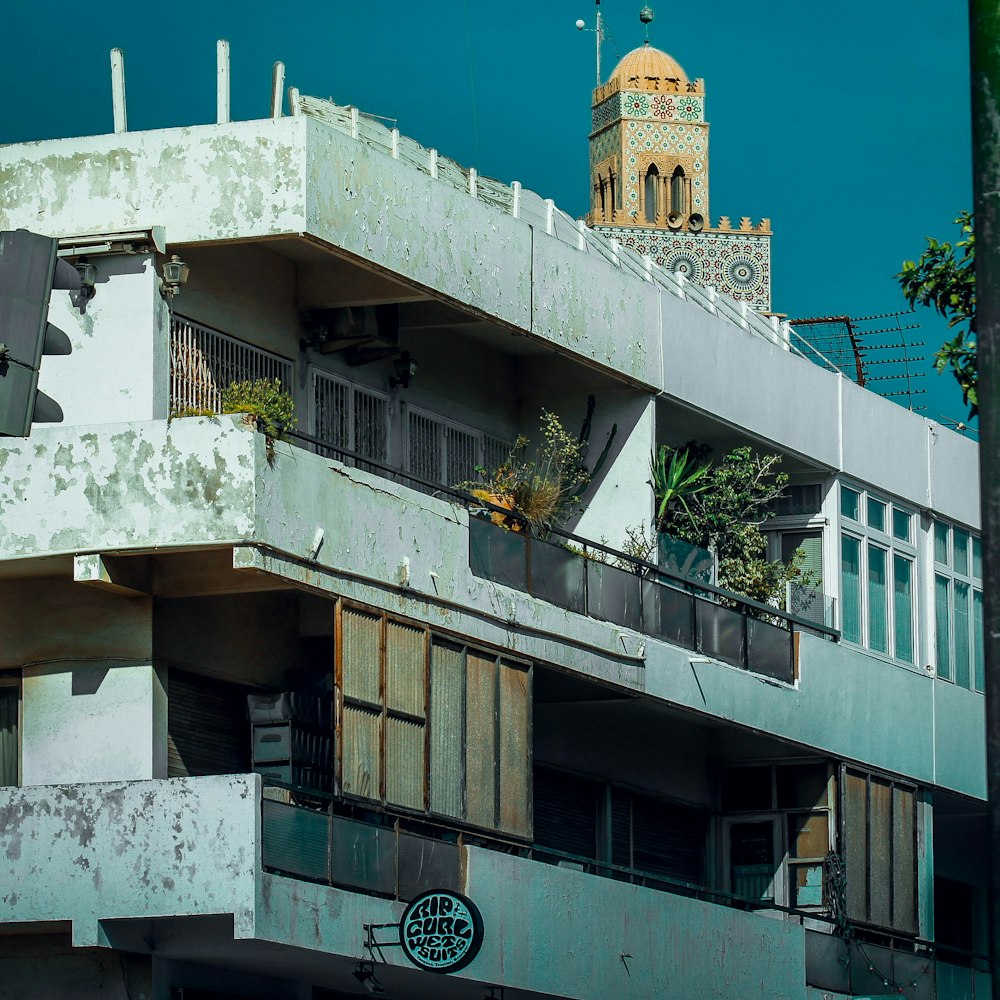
(259, 696)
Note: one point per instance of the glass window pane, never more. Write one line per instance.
(850, 561)
(942, 626)
(878, 619)
(961, 627)
(902, 607)
(901, 524)
(850, 503)
(977, 558)
(977, 640)
(941, 543)
(811, 543)
(961, 549)
(876, 514)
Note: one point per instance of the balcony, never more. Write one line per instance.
(378, 855)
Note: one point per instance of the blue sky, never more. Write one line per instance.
(847, 125)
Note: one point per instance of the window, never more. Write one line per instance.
(879, 837)
(431, 726)
(958, 606)
(447, 452)
(10, 744)
(878, 574)
(600, 821)
(777, 830)
(350, 417)
(650, 193)
(678, 191)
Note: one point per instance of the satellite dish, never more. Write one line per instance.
(581, 24)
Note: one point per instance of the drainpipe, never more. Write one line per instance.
(984, 31)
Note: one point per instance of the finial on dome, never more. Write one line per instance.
(646, 15)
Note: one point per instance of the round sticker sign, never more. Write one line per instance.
(441, 931)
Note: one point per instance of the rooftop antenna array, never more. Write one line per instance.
(599, 33)
(868, 353)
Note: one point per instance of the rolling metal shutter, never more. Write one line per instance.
(207, 729)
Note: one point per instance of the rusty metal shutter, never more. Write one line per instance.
(668, 839)
(565, 809)
(447, 735)
(207, 730)
(515, 752)
(481, 723)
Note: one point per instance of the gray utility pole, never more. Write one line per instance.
(984, 31)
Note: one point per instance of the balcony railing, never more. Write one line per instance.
(319, 843)
(593, 579)
(204, 361)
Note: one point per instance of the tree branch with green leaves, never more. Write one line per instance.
(944, 278)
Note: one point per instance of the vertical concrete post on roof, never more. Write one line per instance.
(277, 88)
(118, 90)
(515, 205)
(293, 101)
(550, 211)
(222, 81)
(434, 163)
(395, 143)
(581, 229)
(355, 130)
(473, 188)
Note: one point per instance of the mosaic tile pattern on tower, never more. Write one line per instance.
(737, 264)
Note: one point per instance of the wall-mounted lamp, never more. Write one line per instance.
(405, 368)
(88, 278)
(175, 274)
(364, 973)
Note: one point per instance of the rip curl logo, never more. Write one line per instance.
(441, 931)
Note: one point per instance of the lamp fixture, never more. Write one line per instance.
(175, 274)
(364, 973)
(88, 278)
(404, 367)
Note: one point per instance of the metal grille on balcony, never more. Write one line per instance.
(204, 361)
(349, 418)
(447, 452)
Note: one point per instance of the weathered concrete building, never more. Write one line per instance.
(646, 787)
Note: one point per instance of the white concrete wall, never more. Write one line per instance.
(206, 182)
(83, 722)
(130, 849)
(297, 175)
(119, 367)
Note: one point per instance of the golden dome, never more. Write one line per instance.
(645, 68)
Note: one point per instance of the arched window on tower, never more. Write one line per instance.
(611, 185)
(649, 198)
(678, 191)
(604, 209)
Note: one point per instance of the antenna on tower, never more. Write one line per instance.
(646, 16)
(599, 33)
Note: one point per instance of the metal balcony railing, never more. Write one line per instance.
(593, 579)
(322, 843)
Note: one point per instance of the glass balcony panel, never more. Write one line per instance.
(668, 613)
(720, 632)
(498, 554)
(614, 595)
(769, 650)
(557, 575)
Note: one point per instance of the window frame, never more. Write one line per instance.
(779, 815)
(885, 540)
(953, 577)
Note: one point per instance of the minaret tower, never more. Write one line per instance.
(649, 178)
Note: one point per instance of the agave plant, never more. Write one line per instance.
(676, 476)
